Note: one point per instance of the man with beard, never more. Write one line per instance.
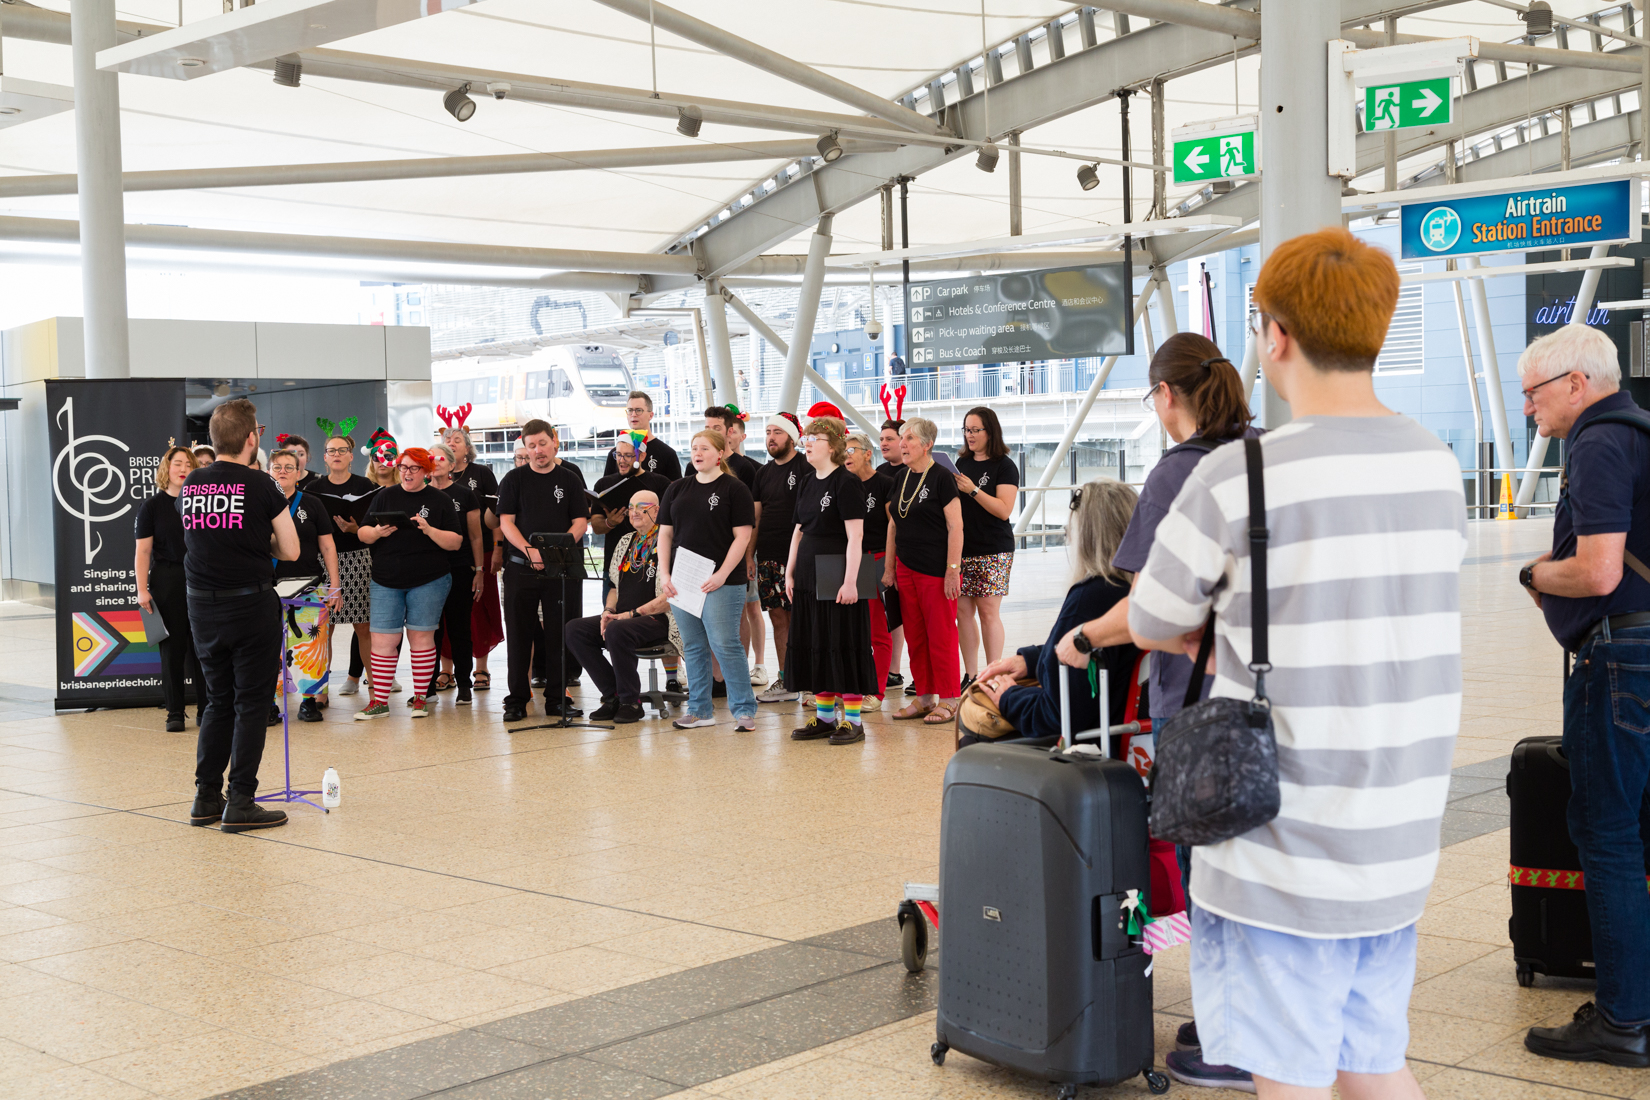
(776, 488)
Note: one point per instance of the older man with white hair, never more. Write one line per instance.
(1594, 589)
(635, 616)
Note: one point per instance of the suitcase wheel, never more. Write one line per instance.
(913, 940)
(1068, 1092)
(937, 1053)
(1526, 975)
(1157, 1082)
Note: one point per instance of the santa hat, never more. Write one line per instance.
(787, 423)
(825, 408)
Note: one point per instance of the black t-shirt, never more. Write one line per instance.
(342, 501)
(638, 584)
(546, 503)
(776, 487)
(892, 469)
(878, 488)
(410, 558)
(157, 518)
(480, 481)
(984, 533)
(744, 469)
(312, 519)
(463, 558)
(658, 485)
(228, 512)
(824, 505)
(702, 518)
(307, 480)
(919, 533)
(657, 456)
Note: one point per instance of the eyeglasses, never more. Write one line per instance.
(1255, 324)
(408, 468)
(642, 507)
(1529, 394)
(283, 469)
(973, 431)
(337, 450)
(1149, 402)
(262, 428)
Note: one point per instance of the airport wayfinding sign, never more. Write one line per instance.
(1513, 221)
(1218, 150)
(1411, 103)
(1064, 313)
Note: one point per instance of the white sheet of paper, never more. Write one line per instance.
(688, 574)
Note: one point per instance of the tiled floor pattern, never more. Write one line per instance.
(474, 876)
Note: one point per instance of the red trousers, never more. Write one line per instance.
(930, 633)
(882, 642)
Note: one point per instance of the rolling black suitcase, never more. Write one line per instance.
(1039, 974)
(1549, 928)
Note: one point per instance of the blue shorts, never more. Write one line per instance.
(1299, 1010)
(413, 608)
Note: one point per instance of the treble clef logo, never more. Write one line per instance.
(91, 479)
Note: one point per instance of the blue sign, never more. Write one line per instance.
(1538, 218)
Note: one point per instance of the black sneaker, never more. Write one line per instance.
(241, 814)
(627, 713)
(208, 808)
(1589, 1037)
(1186, 1037)
(309, 711)
(572, 710)
(847, 733)
(814, 730)
(718, 689)
(1191, 1069)
(606, 711)
(673, 684)
(514, 712)
(966, 680)
(462, 699)
(540, 681)
(174, 723)
(274, 716)
(572, 681)
(895, 680)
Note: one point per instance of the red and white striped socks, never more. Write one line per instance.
(383, 675)
(423, 668)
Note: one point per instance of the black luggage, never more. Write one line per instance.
(1037, 852)
(1549, 928)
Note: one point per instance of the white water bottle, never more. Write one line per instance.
(331, 793)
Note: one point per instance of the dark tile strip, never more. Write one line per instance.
(1477, 801)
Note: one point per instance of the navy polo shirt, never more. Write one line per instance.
(1608, 490)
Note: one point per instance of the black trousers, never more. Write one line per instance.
(455, 628)
(527, 594)
(238, 641)
(177, 652)
(617, 678)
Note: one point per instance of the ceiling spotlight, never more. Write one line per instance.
(191, 62)
(987, 160)
(11, 110)
(289, 70)
(688, 120)
(830, 149)
(1088, 178)
(1538, 20)
(459, 104)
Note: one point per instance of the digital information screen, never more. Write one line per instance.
(1064, 313)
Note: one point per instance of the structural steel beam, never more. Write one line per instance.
(196, 179)
(63, 230)
(770, 61)
(1590, 142)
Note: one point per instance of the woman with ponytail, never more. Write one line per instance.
(1198, 396)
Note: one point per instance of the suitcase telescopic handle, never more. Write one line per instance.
(1065, 706)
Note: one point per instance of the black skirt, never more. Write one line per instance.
(830, 643)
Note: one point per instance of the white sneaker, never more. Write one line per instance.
(806, 698)
(776, 692)
(693, 723)
(395, 685)
(350, 686)
(759, 676)
(870, 704)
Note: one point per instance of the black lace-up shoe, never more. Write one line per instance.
(1589, 1037)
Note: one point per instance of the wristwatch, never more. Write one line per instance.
(972, 493)
(1080, 641)
(1526, 577)
(948, 565)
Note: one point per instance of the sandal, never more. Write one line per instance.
(444, 682)
(481, 681)
(945, 711)
(911, 711)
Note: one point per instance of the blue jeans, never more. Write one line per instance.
(717, 632)
(1607, 741)
(413, 608)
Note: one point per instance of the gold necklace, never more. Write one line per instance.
(905, 502)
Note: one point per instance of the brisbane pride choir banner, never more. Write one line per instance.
(106, 441)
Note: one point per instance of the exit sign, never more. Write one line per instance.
(1411, 103)
(1218, 150)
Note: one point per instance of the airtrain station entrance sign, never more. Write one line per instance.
(1063, 313)
(1514, 221)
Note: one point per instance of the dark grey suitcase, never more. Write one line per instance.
(1037, 972)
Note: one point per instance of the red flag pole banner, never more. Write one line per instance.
(107, 438)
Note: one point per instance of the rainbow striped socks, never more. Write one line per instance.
(825, 707)
(851, 703)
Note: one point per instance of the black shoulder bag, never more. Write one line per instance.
(1216, 774)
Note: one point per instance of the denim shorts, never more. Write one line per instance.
(1299, 1010)
(413, 608)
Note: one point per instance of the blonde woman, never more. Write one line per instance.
(159, 571)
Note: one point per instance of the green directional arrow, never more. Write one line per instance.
(1214, 157)
(1412, 103)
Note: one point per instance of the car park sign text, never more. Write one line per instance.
(1536, 218)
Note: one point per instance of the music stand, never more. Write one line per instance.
(303, 598)
(563, 558)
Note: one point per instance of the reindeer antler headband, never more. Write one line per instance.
(455, 418)
(898, 411)
(338, 430)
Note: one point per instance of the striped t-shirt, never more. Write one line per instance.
(1368, 528)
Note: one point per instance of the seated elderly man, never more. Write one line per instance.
(635, 616)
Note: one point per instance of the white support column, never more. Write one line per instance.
(721, 348)
(1031, 507)
(102, 206)
(1251, 365)
(807, 311)
(1480, 479)
(1165, 302)
(1492, 368)
(1538, 445)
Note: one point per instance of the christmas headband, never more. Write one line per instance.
(338, 430)
(382, 448)
(455, 418)
(737, 415)
(898, 411)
